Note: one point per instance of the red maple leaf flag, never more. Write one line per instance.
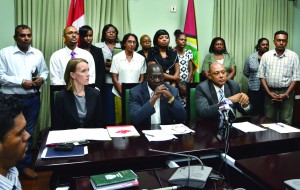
(76, 14)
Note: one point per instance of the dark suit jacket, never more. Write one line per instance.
(99, 66)
(141, 109)
(207, 103)
(66, 115)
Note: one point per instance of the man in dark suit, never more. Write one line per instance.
(155, 102)
(211, 93)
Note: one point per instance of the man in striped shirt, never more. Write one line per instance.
(279, 72)
(13, 141)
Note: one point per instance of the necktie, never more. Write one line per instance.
(73, 54)
(221, 93)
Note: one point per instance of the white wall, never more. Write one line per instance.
(7, 22)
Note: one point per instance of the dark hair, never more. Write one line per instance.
(177, 33)
(84, 30)
(157, 34)
(10, 108)
(212, 44)
(104, 30)
(281, 32)
(71, 67)
(259, 42)
(23, 26)
(125, 38)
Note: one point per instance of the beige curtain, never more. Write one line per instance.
(47, 19)
(242, 22)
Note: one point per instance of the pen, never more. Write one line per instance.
(167, 188)
(51, 145)
(149, 135)
(280, 125)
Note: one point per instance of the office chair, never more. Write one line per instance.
(125, 102)
(191, 101)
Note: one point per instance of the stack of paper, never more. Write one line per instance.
(77, 135)
(281, 127)
(247, 127)
(122, 131)
(158, 135)
(176, 129)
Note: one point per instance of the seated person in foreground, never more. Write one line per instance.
(78, 106)
(211, 93)
(155, 102)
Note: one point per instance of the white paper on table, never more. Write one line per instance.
(247, 127)
(176, 129)
(122, 131)
(281, 127)
(158, 135)
(77, 135)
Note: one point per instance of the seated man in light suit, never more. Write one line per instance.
(209, 97)
(155, 102)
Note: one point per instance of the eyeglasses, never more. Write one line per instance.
(154, 77)
(72, 32)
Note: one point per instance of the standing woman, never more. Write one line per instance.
(164, 56)
(256, 91)
(109, 41)
(78, 106)
(218, 53)
(127, 67)
(185, 64)
(145, 42)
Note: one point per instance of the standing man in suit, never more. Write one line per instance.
(155, 102)
(22, 72)
(60, 58)
(279, 73)
(13, 141)
(211, 93)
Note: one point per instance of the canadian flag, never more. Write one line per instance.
(76, 14)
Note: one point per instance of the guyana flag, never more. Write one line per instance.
(191, 33)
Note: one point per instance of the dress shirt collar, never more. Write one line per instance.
(218, 88)
(283, 55)
(69, 50)
(17, 50)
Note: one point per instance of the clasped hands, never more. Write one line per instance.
(35, 84)
(241, 98)
(162, 90)
(278, 97)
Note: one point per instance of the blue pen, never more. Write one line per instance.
(280, 125)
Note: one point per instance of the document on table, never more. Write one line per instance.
(49, 152)
(281, 127)
(77, 135)
(176, 129)
(158, 135)
(122, 131)
(247, 127)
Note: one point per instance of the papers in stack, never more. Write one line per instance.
(247, 127)
(49, 152)
(114, 180)
(122, 131)
(158, 135)
(77, 135)
(176, 129)
(281, 127)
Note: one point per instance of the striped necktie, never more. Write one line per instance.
(73, 54)
(221, 93)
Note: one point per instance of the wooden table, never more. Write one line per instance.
(271, 171)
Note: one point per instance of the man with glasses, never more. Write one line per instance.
(279, 72)
(212, 93)
(154, 101)
(60, 58)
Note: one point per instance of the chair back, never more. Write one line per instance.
(125, 102)
(191, 101)
(54, 89)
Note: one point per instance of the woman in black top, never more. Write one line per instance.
(165, 56)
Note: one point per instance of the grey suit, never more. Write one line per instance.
(207, 103)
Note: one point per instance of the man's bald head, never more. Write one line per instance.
(217, 74)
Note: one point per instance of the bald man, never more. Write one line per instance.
(211, 93)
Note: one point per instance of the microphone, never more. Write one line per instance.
(224, 110)
(190, 176)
